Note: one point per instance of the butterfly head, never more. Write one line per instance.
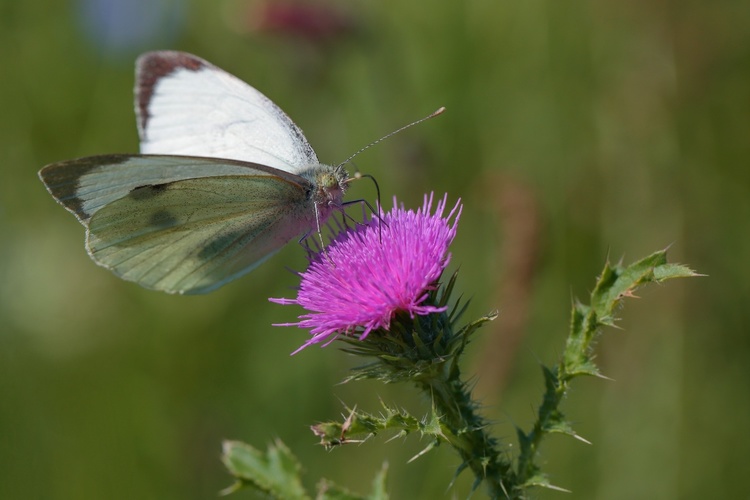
(329, 185)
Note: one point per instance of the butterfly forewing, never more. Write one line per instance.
(85, 185)
(187, 106)
(192, 236)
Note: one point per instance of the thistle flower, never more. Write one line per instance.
(370, 273)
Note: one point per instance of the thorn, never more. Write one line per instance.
(353, 441)
(348, 422)
(584, 440)
(399, 434)
(428, 448)
(620, 263)
(226, 446)
(237, 486)
(615, 326)
(604, 377)
(557, 488)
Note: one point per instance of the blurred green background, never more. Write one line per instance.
(575, 131)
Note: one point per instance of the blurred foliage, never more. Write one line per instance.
(573, 131)
(276, 474)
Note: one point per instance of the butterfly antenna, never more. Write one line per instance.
(380, 205)
(379, 210)
(432, 115)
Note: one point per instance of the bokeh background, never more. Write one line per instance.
(575, 131)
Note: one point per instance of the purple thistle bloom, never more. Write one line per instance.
(370, 273)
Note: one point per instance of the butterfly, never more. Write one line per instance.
(224, 180)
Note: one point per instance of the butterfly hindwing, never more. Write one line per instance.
(167, 224)
(192, 236)
(187, 106)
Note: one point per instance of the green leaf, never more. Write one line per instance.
(614, 284)
(669, 271)
(378, 485)
(327, 490)
(359, 426)
(275, 472)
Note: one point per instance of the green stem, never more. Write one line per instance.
(464, 428)
(548, 417)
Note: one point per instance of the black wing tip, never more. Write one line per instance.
(86, 163)
(163, 62)
(61, 179)
(153, 66)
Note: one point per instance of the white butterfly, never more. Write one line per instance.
(225, 179)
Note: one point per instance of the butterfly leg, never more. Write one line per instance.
(372, 210)
(320, 235)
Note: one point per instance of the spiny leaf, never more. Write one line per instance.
(614, 284)
(359, 426)
(275, 472)
(432, 424)
(328, 490)
(378, 485)
(669, 271)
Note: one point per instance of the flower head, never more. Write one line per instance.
(372, 272)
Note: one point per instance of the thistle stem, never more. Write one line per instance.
(464, 428)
